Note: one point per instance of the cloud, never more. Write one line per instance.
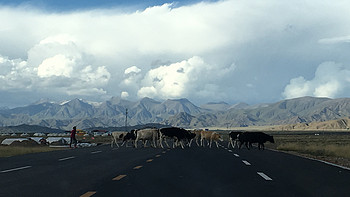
(124, 95)
(132, 69)
(232, 50)
(14, 74)
(183, 79)
(331, 80)
(147, 92)
(57, 65)
(61, 39)
(132, 77)
(335, 40)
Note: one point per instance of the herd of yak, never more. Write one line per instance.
(182, 137)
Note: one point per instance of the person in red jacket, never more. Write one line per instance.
(73, 140)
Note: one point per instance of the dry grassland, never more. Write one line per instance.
(329, 146)
(8, 151)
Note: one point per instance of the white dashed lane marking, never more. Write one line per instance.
(230, 151)
(95, 152)
(15, 169)
(67, 158)
(246, 162)
(236, 155)
(264, 176)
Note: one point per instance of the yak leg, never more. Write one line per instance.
(161, 142)
(167, 143)
(135, 143)
(182, 144)
(189, 144)
(144, 143)
(114, 140)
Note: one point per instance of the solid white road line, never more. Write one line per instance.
(63, 159)
(264, 176)
(246, 162)
(15, 169)
(96, 152)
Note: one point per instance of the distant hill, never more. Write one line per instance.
(339, 124)
(175, 112)
(129, 128)
(28, 129)
(221, 106)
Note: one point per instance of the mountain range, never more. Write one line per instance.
(174, 112)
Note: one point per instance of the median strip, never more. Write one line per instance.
(16, 169)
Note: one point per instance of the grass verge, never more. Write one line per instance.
(331, 147)
(8, 151)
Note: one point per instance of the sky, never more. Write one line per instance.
(248, 51)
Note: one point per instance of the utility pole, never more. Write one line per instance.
(126, 119)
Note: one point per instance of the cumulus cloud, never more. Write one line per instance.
(182, 79)
(124, 95)
(147, 92)
(132, 69)
(130, 83)
(331, 80)
(14, 74)
(56, 65)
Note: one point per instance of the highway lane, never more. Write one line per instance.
(297, 176)
(103, 171)
(66, 173)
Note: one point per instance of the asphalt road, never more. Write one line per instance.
(196, 171)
